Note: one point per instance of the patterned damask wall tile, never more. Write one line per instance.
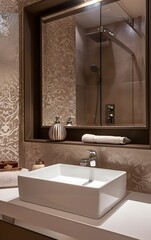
(52, 153)
(135, 162)
(9, 87)
(8, 6)
(59, 77)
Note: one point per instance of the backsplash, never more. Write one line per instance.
(136, 162)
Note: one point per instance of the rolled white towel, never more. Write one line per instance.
(10, 178)
(90, 138)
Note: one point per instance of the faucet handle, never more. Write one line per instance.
(92, 158)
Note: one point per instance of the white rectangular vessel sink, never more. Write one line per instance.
(85, 191)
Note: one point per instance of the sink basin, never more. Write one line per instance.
(85, 191)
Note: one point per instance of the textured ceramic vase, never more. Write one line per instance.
(57, 132)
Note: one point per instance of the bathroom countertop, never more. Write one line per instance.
(130, 219)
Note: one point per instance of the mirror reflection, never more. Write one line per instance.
(94, 64)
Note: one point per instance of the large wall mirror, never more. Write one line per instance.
(88, 62)
(94, 65)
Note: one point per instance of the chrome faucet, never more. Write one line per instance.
(91, 161)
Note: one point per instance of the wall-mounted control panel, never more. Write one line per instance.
(110, 113)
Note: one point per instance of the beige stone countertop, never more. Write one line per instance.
(130, 219)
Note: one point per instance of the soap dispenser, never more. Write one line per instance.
(57, 131)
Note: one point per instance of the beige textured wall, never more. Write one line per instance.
(59, 77)
(9, 81)
(11, 91)
(10, 6)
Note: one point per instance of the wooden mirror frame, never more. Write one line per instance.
(31, 62)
